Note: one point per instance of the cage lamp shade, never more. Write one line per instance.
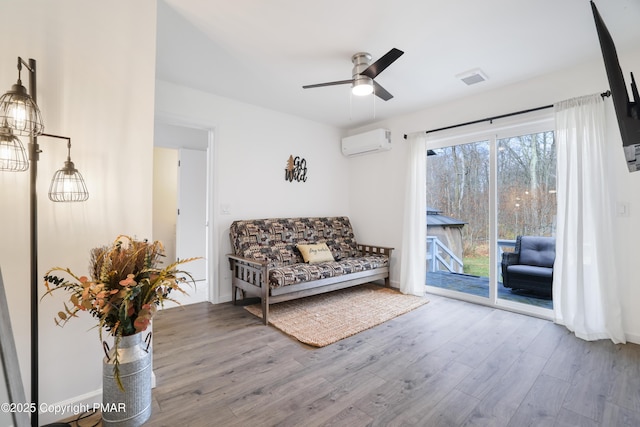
(68, 185)
(20, 113)
(13, 156)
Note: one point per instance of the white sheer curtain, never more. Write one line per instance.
(413, 264)
(585, 296)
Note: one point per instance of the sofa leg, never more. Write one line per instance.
(387, 282)
(265, 311)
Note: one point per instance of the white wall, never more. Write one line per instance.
(96, 71)
(176, 137)
(251, 148)
(165, 198)
(377, 182)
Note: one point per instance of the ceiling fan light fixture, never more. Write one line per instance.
(363, 74)
(362, 86)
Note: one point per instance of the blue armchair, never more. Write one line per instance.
(530, 266)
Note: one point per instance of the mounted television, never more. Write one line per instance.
(627, 112)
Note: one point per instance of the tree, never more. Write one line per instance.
(526, 185)
(458, 184)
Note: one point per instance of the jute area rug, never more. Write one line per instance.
(323, 319)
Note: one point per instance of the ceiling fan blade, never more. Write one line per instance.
(381, 92)
(381, 64)
(340, 82)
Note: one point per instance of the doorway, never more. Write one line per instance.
(180, 198)
(484, 189)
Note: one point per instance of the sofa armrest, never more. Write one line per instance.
(508, 258)
(247, 261)
(251, 272)
(375, 250)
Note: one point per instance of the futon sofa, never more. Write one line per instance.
(267, 261)
(530, 266)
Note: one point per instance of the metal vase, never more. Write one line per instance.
(131, 407)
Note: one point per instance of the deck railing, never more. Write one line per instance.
(441, 258)
(504, 243)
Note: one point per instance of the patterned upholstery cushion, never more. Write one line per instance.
(274, 240)
(298, 273)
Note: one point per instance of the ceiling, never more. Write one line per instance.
(263, 52)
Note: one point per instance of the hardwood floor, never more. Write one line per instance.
(448, 363)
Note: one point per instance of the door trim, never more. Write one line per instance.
(212, 249)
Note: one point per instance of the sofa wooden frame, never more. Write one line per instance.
(252, 278)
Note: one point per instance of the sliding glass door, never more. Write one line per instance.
(526, 201)
(458, 187)
(484, 189)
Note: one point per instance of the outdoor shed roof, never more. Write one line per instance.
(434, 217)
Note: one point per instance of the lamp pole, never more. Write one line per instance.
(34, 152)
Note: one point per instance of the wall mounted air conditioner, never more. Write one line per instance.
(367, 142)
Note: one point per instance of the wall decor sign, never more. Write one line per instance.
(296, 169)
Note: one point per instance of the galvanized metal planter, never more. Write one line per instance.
(131, 407)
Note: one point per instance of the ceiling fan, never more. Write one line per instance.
(363, 74)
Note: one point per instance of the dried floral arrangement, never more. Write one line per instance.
(126, 287)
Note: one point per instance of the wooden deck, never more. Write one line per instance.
(479, 286)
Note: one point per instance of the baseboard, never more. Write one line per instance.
(224, 298)
(193, 296)
(76, 405)
(632, 338)
(70, 408)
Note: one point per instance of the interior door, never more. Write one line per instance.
(191, 225)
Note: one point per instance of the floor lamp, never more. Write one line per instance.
(20, 115)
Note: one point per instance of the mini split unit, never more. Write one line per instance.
(367, 142)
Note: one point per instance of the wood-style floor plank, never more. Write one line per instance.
(447, 363)
(542, 404)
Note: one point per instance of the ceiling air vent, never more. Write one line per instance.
(472, 77)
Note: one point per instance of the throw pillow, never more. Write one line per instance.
(315, 253)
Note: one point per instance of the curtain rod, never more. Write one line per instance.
(502, 116)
